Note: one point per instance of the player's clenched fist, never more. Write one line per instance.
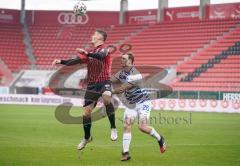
(56, 61)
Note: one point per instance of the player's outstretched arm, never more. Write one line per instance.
(114, 80)
(71, 62)
(122, 88)
(68, 62)
(56, 62)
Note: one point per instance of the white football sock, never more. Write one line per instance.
(155, 134)
(126, 141)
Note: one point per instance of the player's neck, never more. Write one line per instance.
(98, 44)
(127, 68)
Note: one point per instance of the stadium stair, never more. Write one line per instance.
(219, 73)
(28, 46)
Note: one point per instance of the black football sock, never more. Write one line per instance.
(111, 115)
(87, 126)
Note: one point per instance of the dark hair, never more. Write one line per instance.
(130, 56)
(103, 33)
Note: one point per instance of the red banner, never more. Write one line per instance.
(9, 16)
(68, 18)
(223, 11)
(141, 16)
(181, 14)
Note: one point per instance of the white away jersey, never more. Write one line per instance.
(136, 94)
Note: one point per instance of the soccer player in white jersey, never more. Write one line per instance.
(137, 101)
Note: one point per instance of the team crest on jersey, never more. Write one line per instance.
(107, 85)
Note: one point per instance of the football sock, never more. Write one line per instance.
(87, 126)
(126, 141)
(155, 134)
(111, 115)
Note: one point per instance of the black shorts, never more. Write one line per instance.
(95, 91)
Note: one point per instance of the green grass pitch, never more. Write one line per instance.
(30, 135)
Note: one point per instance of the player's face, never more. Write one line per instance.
(96, 37)
(125, 62)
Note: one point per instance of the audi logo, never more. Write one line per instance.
(70, 18)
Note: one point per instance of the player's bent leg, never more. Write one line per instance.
(107, 97)
(111, 114)
(86, 126)
(144, 115)
(144, 127)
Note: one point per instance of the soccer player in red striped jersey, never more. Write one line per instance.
(99, 85)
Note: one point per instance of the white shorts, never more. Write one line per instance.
(141, 111)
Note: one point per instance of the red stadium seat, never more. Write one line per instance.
(12, 49)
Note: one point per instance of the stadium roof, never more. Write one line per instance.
(99, 5)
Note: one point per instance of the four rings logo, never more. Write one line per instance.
(70, 18)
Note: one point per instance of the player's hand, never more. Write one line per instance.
(56, 61)
(81, 51)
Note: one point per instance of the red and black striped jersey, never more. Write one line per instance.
(98, 64)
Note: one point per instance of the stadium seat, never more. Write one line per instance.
(12, 49)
